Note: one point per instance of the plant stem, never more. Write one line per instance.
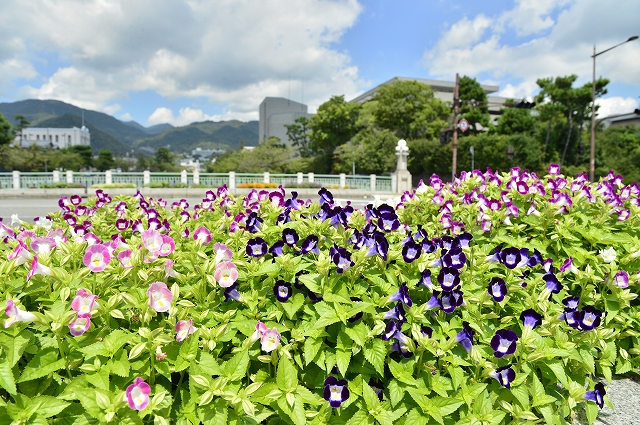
(177, 391)
(64, 356)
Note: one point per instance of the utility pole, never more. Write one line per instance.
(456, 103)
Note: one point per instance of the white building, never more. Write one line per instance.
(56, 138)
(275, 114)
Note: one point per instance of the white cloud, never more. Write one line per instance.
(560, 37)
(232, 52)
(615, 106)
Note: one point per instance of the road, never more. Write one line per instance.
(27, 209)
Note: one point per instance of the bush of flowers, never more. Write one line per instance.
(495, 299)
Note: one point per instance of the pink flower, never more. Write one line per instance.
(622, 279)
(91, 239)
(167, 247)
(152, 240)
(159, 296)
(80, 325)
(202, 235)
(57, 235)
(20, 254)
(168, 269)
(43, 245)
(84, 302)
(14, 314)
(270, 340)
(226, 274)
(97, 257)
(6, 232)
(125, 259)
(137, 394)
(222, 253)
(37, 268)
(184, 328)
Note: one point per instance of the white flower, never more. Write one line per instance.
(608, 255)
(15, 220)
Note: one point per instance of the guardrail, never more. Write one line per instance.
(23, 180)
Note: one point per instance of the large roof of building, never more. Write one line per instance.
(436, 85)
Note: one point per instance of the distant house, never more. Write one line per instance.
(56, 138)
(622, 120)
(275, 114)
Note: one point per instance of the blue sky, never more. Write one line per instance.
(180, 61)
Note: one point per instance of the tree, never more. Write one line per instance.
(163, 159)
(333, 125)
(23, 123)
(473, 104)
(410, 110)
(298, 133)
(105, 160)
(5, 131)
(372, 150)
(514, 121)
(84, 152)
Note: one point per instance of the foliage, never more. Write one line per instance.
(270, 155)
(473, 104)
(298, 134)
(410, 110)
(21, 123)
(165, 184)
(260, 347)
(163, 160)
(618, 148)
(105, 160)
(372, 150)
(85, 154)
(333, 125)
(114, 186)
(6, 135)
(514, 121)
(61, 185)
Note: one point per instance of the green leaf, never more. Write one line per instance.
(268, 268)
(397, 391)
(294, 304)
(287, 375)
(14, 346)
(343, 352)
(327, 315)
(589, 363)
(446, 405)
(7, 381)
(311, 348)
(360, 418)
(42, 364)
(471, 392)
(115, 340)
(236, 368)
(358, 333)
(414, 417)
(312, 282)
(370, 397)
(375, 352)
(591, 409)
(100, 379)
(49, 406)
(558, 370)
(457, 376)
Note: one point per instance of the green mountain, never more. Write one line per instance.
(100, 140)
(110, 133)
(37, 111)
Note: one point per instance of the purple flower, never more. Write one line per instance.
(83, 303)
(341, 258)
(425, 279)
(290, 237)
(15, 314)
(231, 293)
(454, 258)
(80, 325)
(597, 395)
(497, 289)
(96, 258)
(510, 257)
(282, 290)
(571, 302)
(326, 197)
(253, 223)
(137, 395)
(590, 318)
(256, 247)
(411, 251)
(402, 295)
(552, 283)
(358, 315)
(531, 318)
(504, 342)
(389, 222)
(310, 244)
(396, 313)
(378, 244)
(335, 391)
(202, 235)
(622, 279)
(448, 278)
(554, 169)
(276, 248)
(426, 331)
(450, 300)
(465, 336)
(505, 375)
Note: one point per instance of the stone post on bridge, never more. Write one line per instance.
(402, 175)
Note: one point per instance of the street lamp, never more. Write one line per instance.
(592, 159)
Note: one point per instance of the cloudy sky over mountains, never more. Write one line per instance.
(180, 61)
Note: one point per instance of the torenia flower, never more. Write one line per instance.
(622, 279)
(97, 257)
(270, 340)
(226, 274)
(222, 253)
(608, 255)
(159, 296)
(168, 269)
(80, 325)
(43, 245)
(597, 395)
(167, 247)
(137, 395)
(125, 259)
(465, 336)
(531, 318)
(504, 342)
(15, 314)
(184, 328)
(335, 391)
(37, 268)
(505, 375)
(152, 240)
(84, 302)
(202, 235)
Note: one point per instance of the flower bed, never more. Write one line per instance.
(496, 299)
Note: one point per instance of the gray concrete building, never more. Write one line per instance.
(56, 138)
(275, 114)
